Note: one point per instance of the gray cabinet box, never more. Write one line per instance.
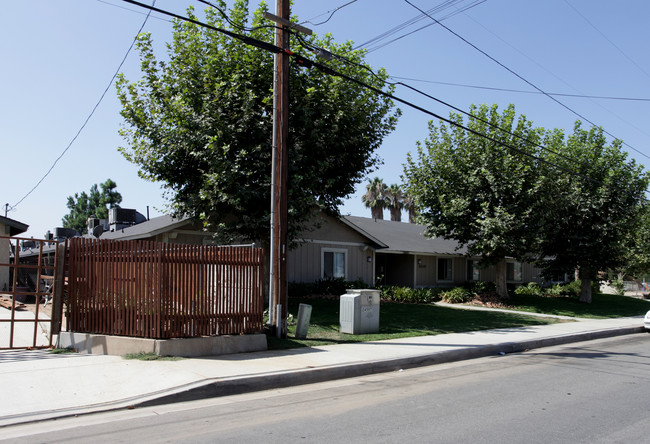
(359, 312)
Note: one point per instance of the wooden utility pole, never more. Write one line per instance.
(279, 297)
(278, 271)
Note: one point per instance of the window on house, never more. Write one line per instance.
(473, 273)
(445, 269)
(334, 263)
(513, 271)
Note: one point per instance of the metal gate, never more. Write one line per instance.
(31, 292)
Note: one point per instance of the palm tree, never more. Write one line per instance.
(409, 205)
(395, 202)
(375, 197)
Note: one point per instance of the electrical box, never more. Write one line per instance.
(359, 312)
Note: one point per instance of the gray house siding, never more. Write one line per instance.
(304, 263)
(426, 271)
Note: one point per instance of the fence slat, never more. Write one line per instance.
(153, 290)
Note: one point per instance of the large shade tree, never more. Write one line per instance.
(598, 212)
(201, 123)
(481, 191)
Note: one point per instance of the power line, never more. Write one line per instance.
(89, 115)
(233, 24)
(607, 38)
(579, 96)
(521, 77)
(132, 10)
(317, 50)
(307, 63)
(334, 11)
(525, 55)
(445, 5)
(243, 38)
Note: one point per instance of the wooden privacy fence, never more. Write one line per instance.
(156, 290)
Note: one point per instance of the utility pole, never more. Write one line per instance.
(278, 271)
(279, 297)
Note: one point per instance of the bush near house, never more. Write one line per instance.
(476, 291)
(323, 287)
(458, 295)
(571, 289)
(409, 295)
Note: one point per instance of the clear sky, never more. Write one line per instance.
(58, 57)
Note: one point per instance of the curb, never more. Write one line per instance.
(267, 381)
(212, 388)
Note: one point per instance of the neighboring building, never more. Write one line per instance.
(164, 229)
(355, 248)
(401, 254)
(8, 227)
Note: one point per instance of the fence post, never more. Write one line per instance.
(59, 279)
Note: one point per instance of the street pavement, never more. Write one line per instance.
(38, 385)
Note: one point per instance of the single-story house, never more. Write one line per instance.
(391, 253)
(355, 248)
(8, 227)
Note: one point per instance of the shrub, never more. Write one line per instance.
(531, 289)
(323, 287)
(571, 289)
(410, 295)
(480, 287)
(457, 295)
(556, 291)
(618, 285)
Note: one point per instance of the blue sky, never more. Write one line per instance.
(58, 57)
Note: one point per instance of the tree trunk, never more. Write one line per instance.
(585, 286)
(501, 282)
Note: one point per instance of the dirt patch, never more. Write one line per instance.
(491, 300)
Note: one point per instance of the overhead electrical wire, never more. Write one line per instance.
(527, 56)
(522, 78)
(333, 11)
(373, 44)
(307, 63)
(233, 24)
(312, 48)
(89, 115)
(520, 91)
(608, 39)
(132, 10)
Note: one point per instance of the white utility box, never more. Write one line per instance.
(359, 312)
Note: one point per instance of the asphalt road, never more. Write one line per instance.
(592, 392)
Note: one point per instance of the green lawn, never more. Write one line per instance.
(397, 321)
(602, 306)
(407, 320)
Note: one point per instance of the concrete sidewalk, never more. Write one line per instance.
(38, 385)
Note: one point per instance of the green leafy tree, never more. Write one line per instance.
(478, 191)
(638, 262)
(597, 213)
(375, 197)
(201, 123)
(95, 203)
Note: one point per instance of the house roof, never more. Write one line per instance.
(401, 237)
(15, 227)
(150, 228)
(388, 236)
